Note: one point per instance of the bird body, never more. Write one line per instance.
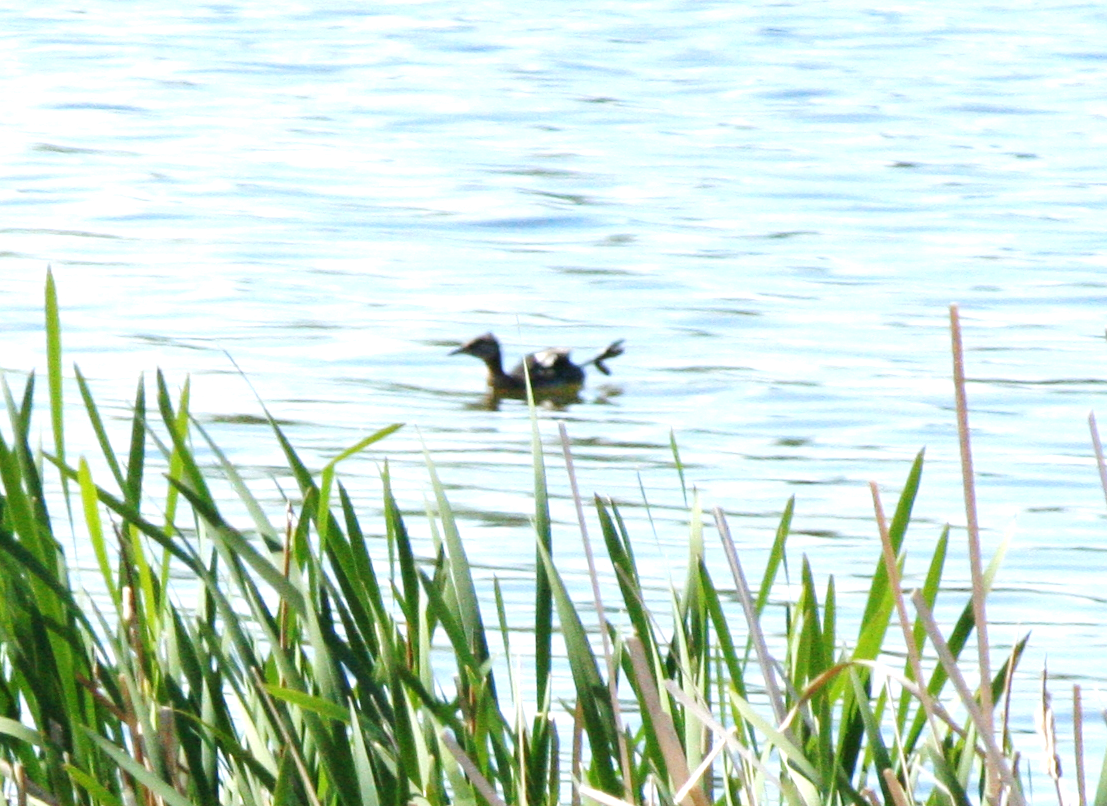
(551, 371)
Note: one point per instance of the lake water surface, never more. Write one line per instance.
(773, 203)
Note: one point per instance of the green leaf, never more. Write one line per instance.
(317, 705)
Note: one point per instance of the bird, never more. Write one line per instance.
(551, 371)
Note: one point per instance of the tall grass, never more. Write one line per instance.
(302, 671)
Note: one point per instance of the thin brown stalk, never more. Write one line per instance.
(1099, 462)
(976, 566)
(479, 782)
(727, 735)
(664, 728)
(895, 583)
(25, 787)
(608, 652)
(578, 751)
(768, 665)
(992, 753)
(912, 688)
(21, 785)
(1008, 686)
(1078, 741)
(170, 747)
(899, 797)
(290, 745)
(283, 613)
(1047, 727)
(600, 796)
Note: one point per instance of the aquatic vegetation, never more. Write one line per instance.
(303, 671)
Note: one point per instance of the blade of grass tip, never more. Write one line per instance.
(768, 665)
(461, 574)
(326, 482)
(1099, 462)
(253, 507)
(777, 556)
(21, 416)
(136, 458)
(975, 563)
(1101, 788)
(98, 426)
(54, 379)
(995, 756)
(612, 678)
(679, 465)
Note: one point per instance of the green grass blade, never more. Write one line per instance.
(136, 458)
(881, 758)
(460, 573)
(54, 375)
(327, 480)
(543, 596)
(678, 464)
(776, 556)
(144, 776)
(176, 423)
(592, 692)
(96, 532)
(328, 709)
(98, 428)
(1101, 788)
(101, 794)
(878, 607)
(794, 754)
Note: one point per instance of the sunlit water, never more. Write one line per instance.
(773, 204)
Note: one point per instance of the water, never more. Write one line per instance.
(773, 204)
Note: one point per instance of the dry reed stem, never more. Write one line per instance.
(729, 736)
(1099, 462)
(992, 750)
(609, 656)
(283, 611)
(768, 665)
(1047, 728)
(170, 748)
(664, 729)
(25, 787)
(578, 751)
(1078, 741)
(899, 797)
(292, 747)
(479, 782)
(975, 563)
(602, 797)
(895, 582)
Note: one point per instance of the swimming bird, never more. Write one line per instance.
(550, 370)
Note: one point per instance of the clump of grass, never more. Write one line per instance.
(303, 673)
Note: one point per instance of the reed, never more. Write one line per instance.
(302, 671)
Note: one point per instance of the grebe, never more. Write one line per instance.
(550, 370)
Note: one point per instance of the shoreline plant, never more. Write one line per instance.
(305, 672)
